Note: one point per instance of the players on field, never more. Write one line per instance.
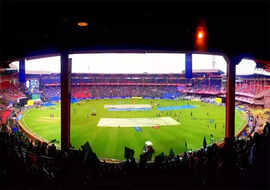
(211, 138)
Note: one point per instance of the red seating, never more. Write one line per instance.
(5, 115)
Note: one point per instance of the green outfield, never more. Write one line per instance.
(190, 125)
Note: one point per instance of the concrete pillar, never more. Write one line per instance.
(230, 100)
(65, 100)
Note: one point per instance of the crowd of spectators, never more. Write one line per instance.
(143, 91)
(130, 91)
(10, 92)
(3, 106)
(82, 87)
(80, 92)
(49, 92)
(248, 89)
(82, 78)
(112, 91)
(203, 86)
(239, 163)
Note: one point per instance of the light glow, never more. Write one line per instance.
(200, 35)
(82, 24)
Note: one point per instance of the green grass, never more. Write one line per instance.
(110, 142)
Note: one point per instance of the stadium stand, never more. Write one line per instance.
(50, 92)
(33, 163)
(10, 92)
(203, 83)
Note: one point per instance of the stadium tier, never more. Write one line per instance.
(204, 82)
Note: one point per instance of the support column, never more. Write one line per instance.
(65, 100)
(230, 100)
(22, 71)
(188, 66)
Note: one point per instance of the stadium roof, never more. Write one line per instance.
(253, 76)
(46, 26)
(264, 63)
(38, 72)
(207, 71)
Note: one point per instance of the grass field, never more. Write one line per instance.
(109, 142)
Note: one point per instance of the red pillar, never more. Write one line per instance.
(65, 100)
(230, 100)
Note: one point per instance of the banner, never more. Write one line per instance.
(30, 102)
(35, 96)
(196, 100)
(218, 100)
(137, 97)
